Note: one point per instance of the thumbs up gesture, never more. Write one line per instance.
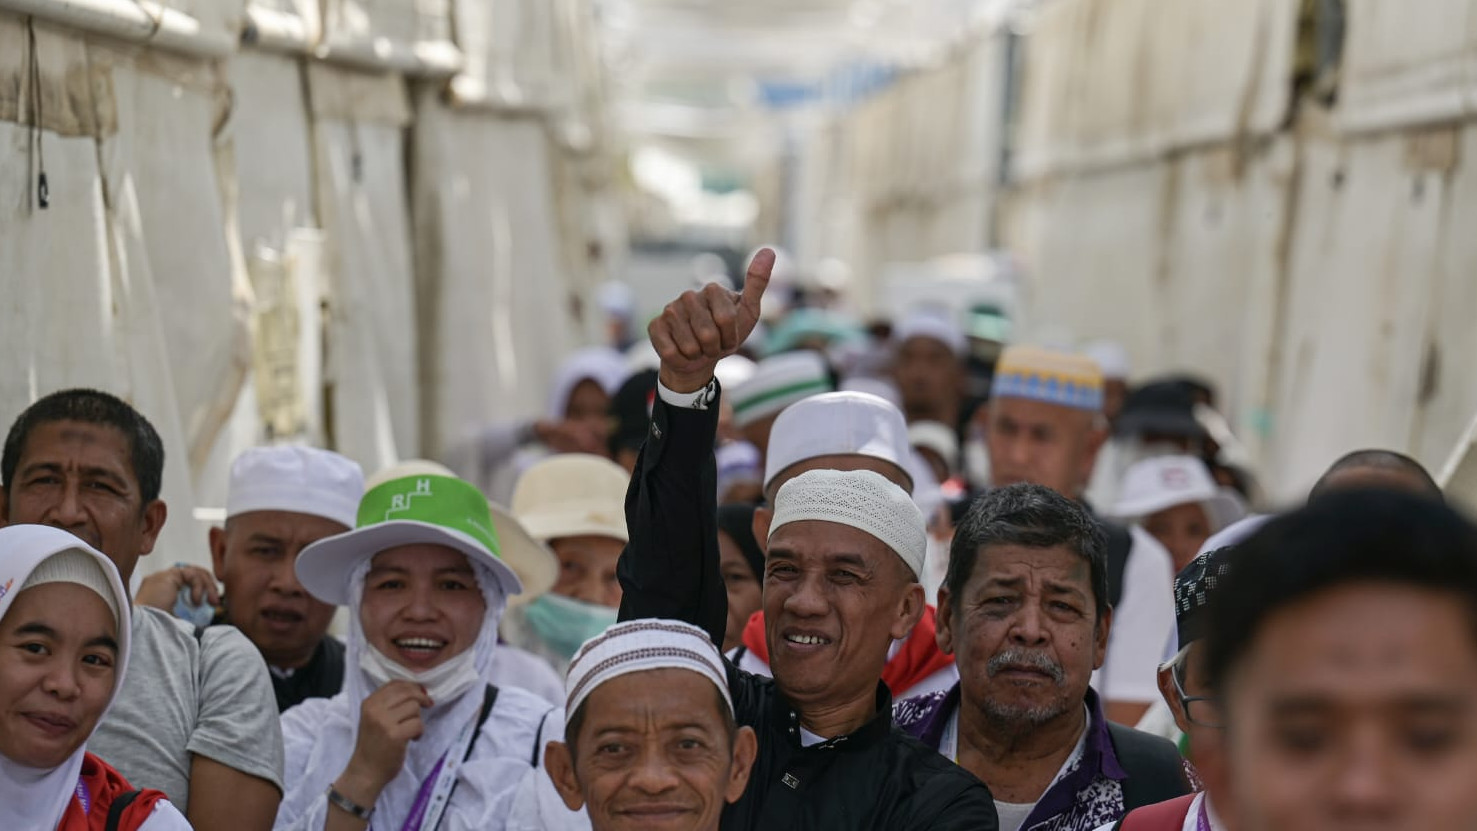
(700, 328)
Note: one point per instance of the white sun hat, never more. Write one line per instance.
(573, 495)
(410, 510)
(1162, 482)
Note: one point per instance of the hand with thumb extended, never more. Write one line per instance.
(700, 328)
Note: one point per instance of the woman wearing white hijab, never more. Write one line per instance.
(576, 420)
(64, 638)
(418, 739)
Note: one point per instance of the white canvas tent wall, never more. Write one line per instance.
(230, 243)
(1167, 189)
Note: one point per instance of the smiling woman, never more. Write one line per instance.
(425, 586)
(64, 639)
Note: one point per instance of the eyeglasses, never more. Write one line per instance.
(1201, 710)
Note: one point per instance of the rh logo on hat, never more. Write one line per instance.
(401, 502)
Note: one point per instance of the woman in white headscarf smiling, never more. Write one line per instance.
(63, 648)
(418, 739)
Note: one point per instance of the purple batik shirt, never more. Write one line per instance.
(1087, 796)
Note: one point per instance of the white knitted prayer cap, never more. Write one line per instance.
(640, 646)
(860, 499)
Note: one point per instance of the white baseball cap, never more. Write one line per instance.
(1161, 482)
(303, 480)
(837, 424)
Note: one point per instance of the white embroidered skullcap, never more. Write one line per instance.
(837, 424)
(860, 499)
(303, 480)
(640, 646)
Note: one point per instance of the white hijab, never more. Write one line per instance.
(600, 364)
(443, 721)
(36, 797)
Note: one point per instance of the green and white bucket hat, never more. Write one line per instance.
(410, 510)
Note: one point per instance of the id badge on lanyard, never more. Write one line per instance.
(435, 793)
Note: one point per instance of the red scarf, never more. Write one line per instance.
(103, 786)
(919, 658)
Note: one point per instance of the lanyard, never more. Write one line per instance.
(84, 796)
(1202, 822)
(435, 792)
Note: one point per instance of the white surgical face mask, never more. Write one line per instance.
(444, 682)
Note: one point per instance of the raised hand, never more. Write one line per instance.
(389, 720)
(161, 589)
(700, 328)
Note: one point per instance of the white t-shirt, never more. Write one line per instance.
(1142, 624)
(181, 697)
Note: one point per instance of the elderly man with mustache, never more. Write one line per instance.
(1024, 610)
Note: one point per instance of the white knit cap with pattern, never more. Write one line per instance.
(74, 566)
(640, 646)
(858, 498)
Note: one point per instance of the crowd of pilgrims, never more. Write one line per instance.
(750, 574)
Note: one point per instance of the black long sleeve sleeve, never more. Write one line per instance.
(670, 567)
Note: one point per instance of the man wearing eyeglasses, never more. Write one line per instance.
(1186, 690)
(1024, 611)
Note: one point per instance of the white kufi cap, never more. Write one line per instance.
(640, 646)
(303, 480)
(860, 499)
(837, 424)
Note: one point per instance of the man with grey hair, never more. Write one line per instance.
(1024, 609)
(840, 584)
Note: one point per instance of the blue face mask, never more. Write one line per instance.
(564, 624)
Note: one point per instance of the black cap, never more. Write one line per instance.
(1165, 408)
(630, 410)
(1193, 587)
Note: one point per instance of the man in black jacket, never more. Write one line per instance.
(835, 598)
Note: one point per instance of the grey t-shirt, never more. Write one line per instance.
(211, 697)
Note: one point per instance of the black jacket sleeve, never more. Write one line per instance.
(670, 567)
